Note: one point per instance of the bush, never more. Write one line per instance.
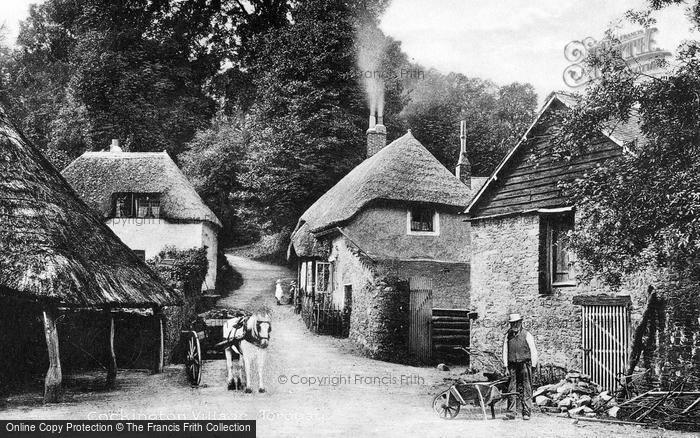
(181, 269)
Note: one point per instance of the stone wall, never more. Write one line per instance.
(505, 279)
(678, 349)
(379, 320)
(379, 316)
(450, 280)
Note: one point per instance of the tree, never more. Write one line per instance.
(644, 208)
(213, 164)
(495, 117)
(309, 117)
(87, 71)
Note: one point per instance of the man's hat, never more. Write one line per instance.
(515, 317)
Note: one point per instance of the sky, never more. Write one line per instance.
(513, 40)
(11, 12)
(502, 40)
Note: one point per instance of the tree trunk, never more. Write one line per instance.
(158, 362)
(52, 382)
(111, 356)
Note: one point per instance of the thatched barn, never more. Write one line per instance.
(393, 218)
(56, 253)
(147, 202)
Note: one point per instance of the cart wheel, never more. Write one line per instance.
(446, 406)
(193, 361)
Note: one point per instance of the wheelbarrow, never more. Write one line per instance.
(448, 403)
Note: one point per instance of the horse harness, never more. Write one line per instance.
(242, 323)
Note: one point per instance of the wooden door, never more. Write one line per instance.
(420, 318)
(605, 342)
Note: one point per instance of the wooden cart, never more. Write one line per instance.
(199, 341)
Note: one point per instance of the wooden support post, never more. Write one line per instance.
(111, 356)
(158, 362)
(52, 382)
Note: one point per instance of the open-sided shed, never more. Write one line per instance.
(56, 253)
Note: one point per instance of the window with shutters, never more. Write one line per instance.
(556, 259)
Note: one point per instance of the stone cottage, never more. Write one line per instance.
(520, 261)
(147, 202)
(396, 216)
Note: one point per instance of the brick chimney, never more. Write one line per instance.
(464, 168)
(114, 147)
(376, 135)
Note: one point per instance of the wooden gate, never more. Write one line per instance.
(605, 342)
(421, 315)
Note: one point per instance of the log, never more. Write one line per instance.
(52, 382)
(692, 405)
(158, 359)
(111, 356)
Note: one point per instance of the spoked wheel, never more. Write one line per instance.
(193, 360)
(446, 406)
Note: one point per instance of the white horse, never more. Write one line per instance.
(247, 336)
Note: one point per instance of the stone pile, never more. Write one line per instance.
(577, 395)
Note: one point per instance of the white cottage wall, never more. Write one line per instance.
(152, 235)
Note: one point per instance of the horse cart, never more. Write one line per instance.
(200, 340)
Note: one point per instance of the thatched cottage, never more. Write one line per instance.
(520, 261)
(393, 218)
(147, 201)
(56, 253)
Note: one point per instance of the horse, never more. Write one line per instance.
(248, 337)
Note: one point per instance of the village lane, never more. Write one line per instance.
(316, 387)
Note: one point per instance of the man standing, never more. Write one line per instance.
(519, 356)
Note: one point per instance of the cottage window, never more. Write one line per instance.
(557, 259)
(423, 221)
(136, 205)
(323, 277)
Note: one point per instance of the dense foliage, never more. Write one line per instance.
(181, 269)
(263, 103)
(496, 117)
(87, 71)
(643, 209)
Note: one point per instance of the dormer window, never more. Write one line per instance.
(423, 221)
(136, 205)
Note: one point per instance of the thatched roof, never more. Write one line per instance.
(402, 171)
(54, 248)
(306, 245)
(96, 176)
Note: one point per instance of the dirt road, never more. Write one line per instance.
(316, 387)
